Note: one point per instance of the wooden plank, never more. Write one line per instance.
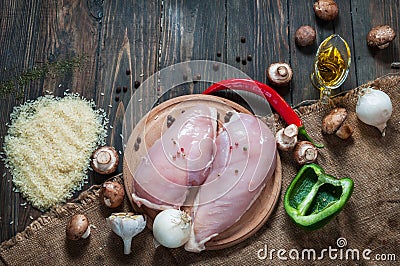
(129, 53)
(302, 58)
(264, 26)
(192, 30)
(33, 33)
(372, 63)
(343, 26)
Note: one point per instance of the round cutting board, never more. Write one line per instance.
(153, 125)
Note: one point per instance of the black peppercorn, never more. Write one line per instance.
(196, 78)
(238, 59)
(249, 57)
(116, 98)
(244, 62)
(118, 90)
(215, 67)
(128, 72)
(219, 54)
(125, 89)
(242, 39)
(136, 84)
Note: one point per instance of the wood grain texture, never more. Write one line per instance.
(371, 62)
(129, 42)
(264, 26)
(33, 33)
(192, 30)
(302, 58)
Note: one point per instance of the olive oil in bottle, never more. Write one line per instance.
(331, 66)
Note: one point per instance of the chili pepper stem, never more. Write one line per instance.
(303, 132)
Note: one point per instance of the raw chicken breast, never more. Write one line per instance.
(245, 159)
(181, 158)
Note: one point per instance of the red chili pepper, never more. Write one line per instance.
(274, 99)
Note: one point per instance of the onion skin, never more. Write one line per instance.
(374, 108)
(171, 228)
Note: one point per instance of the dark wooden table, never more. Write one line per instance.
(147, 36)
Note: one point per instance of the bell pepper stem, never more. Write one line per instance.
(303, 132)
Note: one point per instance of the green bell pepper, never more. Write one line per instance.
(314, 197)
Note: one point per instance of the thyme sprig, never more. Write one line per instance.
(51, 69)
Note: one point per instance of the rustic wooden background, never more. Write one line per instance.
(146, 36)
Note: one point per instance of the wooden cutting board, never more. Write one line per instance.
(151, 127)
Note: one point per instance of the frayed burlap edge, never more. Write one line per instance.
(352, 95)
(81, 203)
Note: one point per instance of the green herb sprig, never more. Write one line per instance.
(48, 69)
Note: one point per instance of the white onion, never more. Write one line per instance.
(374, 108)
(171, 228)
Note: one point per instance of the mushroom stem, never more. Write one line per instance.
(87, 233)
(103, 157)
(279, 74)
(105, 160)
(282, 71)
(305, 152)
(309, 154)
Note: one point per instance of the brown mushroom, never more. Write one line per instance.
(380, 36)
(78, 227)
(305, 152)
(279, 74)
(305, 36)
(326, 9)
(345, 131)
(334, 122)
(286, 138)
(105, 160)
(112, 194)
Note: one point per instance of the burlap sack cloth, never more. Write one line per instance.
(370, 220)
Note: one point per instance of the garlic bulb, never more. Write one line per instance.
(374, 108)
(171, 228)
(126, 225)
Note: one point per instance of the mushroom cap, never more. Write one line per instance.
(305, 36)
(333, 120)
(105, 160)
(112, 194)
(77, 226)
(279, 74)
(326, 9)
(380, 36)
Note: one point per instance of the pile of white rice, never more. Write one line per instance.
(48, 147)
